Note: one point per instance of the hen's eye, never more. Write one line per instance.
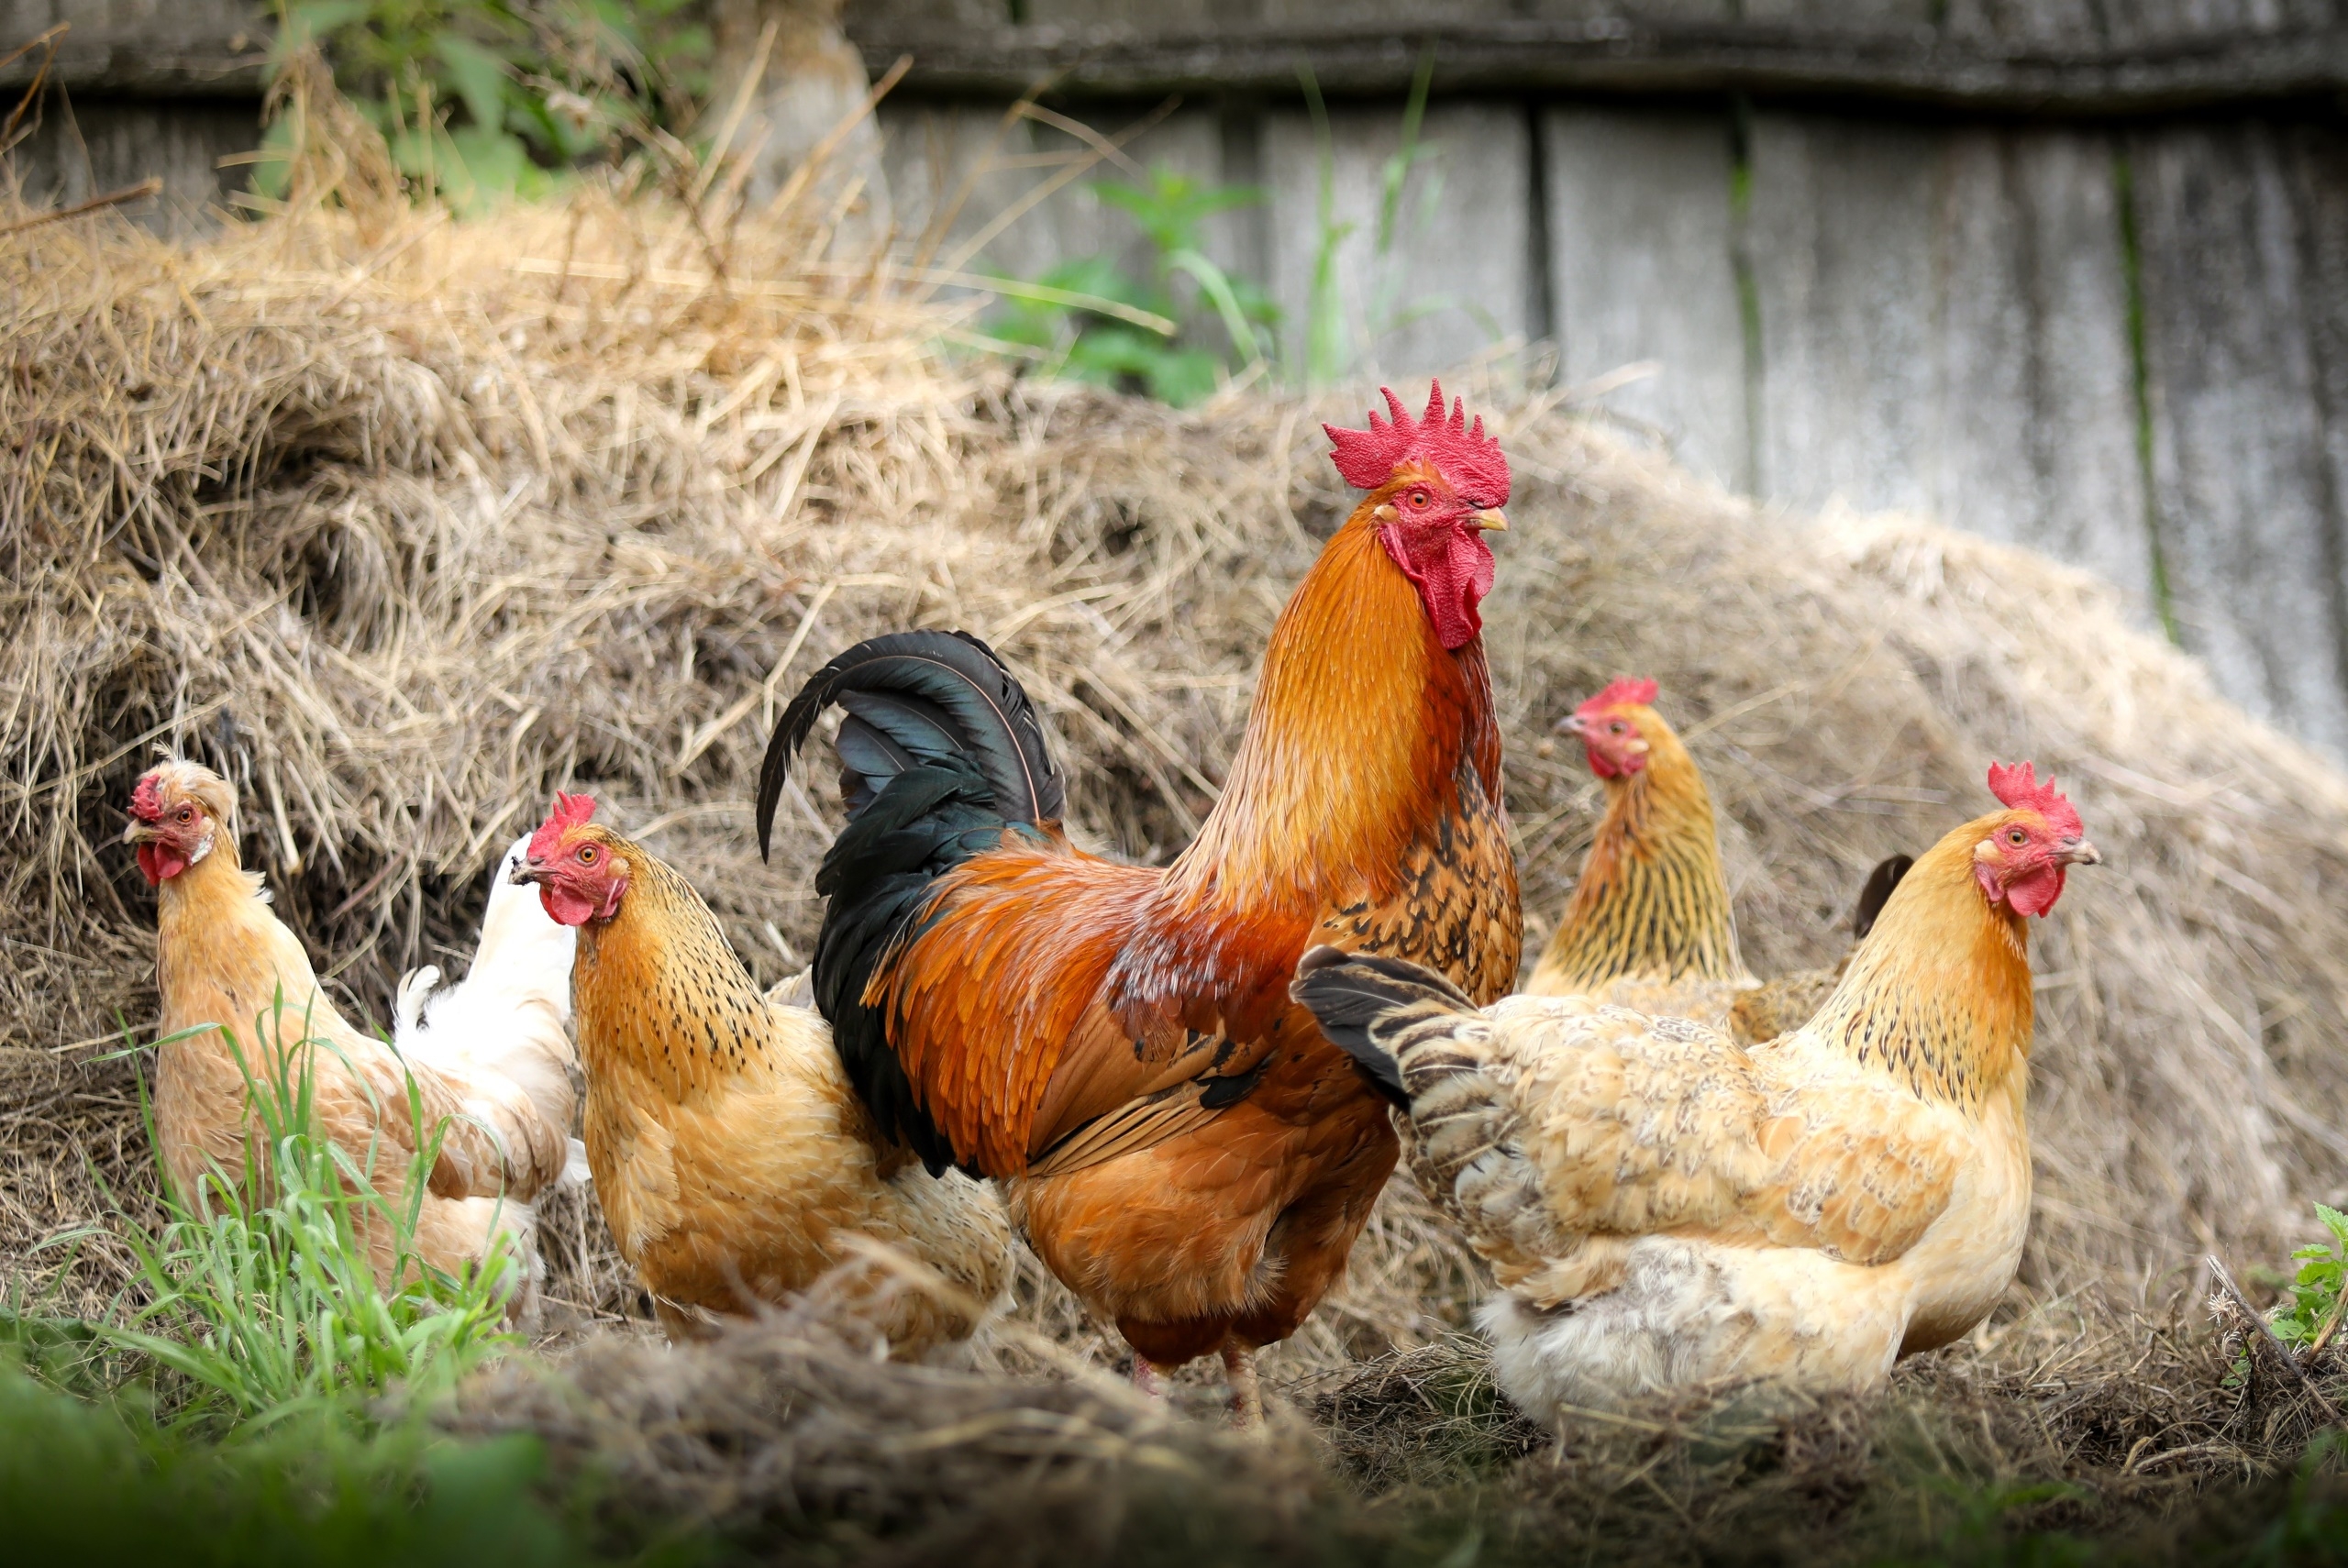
(187, 814)
(587, 854)
(2015, 837)
(1615, 728)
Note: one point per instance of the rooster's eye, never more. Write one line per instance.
(2015, 837)
(587, 854)
(1418, 498)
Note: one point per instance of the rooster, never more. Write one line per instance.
(1664, 1209)
(1116, 1042)
(239, 994)
(1650, 926)
(733, 1160)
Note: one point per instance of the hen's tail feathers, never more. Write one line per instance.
(407, 1006)
(916, 698)
(1429, 1049)
(940, 752)
(1878, 893)
(1372, 1009)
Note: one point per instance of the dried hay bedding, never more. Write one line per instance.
(404, 532)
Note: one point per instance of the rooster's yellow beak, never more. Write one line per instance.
(1491, 517)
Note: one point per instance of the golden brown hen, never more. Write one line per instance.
(237, 984)
(734, 1162)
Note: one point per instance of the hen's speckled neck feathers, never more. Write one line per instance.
(657, 990)
(1653, 903)
(1939, 994)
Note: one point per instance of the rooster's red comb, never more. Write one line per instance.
(570, 812)
(2017, 786)
(1464, 455)
(1623, 691)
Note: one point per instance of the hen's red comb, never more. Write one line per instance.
(1467, 457)
(1624, 690)
(2018, 786)
(570, 810)
(147, 799)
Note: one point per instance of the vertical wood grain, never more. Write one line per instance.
(1455, 279)
(1640, 262)
(2245, 450)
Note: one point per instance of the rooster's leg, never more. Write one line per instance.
(1247, 1393)
(1147, 1379)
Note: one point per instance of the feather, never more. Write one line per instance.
(1358, 999)
(922, 697)
(1881, 883)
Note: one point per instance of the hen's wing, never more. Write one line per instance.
(1552, 1126)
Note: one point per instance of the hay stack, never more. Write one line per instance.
(403, 535)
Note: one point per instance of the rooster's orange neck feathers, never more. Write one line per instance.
(1939, 994)
(1364, 728)
(1652, 902)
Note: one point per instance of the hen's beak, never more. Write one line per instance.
(528, 872)
(2080, 852)
(1491, 517)
(1571, 725)
(138, 831)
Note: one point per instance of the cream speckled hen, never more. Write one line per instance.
(223, 959)
(1664, 1207)
(734, 1163)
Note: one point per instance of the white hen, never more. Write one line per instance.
(504, 1029)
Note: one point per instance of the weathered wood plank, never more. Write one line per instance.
(177, 48)
(1676, 47)
(1641, 268)
(2244, 486)
(96, 145)
(954, 170)
(1455, 276)
(1944, 327)
(1840, 238)
(2034, 418)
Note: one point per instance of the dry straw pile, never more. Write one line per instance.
(404, 522)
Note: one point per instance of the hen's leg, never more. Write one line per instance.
(1147, 1377)
(1247, 1392)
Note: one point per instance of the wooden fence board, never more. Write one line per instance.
(1840, 235)
(1457, 277)
(957, 162)
(1641, 270)
(2034, 423)
(96, 145)
(2242, 479)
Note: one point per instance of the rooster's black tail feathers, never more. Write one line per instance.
(916, 698)
(940, 752)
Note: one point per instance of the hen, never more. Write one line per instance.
(1116, 1042)
(1650, 925)
(236, 983)
(1662, 1208)
(732, 1158)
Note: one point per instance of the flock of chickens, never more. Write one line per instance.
(1184, 1086)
